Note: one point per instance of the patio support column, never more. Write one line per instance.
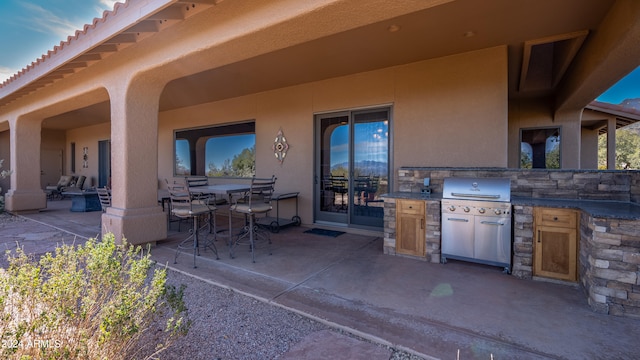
(134, 213)
(570, 135)
(611, 143)
(26, 194)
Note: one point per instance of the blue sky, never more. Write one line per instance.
(30, 28)
(627, 88)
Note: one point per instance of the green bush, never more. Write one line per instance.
(97, 301)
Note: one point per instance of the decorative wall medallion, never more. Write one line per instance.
(85, 157)
(280, 146)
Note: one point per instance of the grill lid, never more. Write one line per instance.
(488, 189)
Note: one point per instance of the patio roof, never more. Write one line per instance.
(624, 115)
(111, 33)
(544, 41)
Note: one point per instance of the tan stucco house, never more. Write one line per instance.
(441, 83)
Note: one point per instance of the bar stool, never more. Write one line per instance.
(256, 201)
(184, 206)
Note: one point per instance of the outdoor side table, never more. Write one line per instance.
(275, 223)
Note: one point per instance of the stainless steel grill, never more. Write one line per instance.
(476, 221)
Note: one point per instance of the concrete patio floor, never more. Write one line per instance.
(431, 310)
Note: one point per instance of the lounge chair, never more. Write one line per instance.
(55, 191)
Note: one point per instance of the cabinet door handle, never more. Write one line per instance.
(422, 224)
(538, 235)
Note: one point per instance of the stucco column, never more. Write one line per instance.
(611, 143)
(570, 134)
(25, 194)
(135, 213)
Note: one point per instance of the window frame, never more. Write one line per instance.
(199, 136)
(541, 128)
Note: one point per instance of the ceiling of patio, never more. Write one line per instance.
(533, 30)
(452, 28)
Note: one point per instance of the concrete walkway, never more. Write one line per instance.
(431, 310)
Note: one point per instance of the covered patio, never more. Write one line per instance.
(429, 309)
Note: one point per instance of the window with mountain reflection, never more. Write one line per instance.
(216, 151)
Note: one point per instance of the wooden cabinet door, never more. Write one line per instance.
(410, 227)
(556, 252)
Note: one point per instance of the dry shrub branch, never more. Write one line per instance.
(97, 301)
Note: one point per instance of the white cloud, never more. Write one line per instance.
(46, 22)
(6, 73)
(107, 5)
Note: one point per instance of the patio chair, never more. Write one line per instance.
(256, 201)
(80, 182)
(171, 218)
(76, 185)
(340, 185)
(55, 191)
(105, 198)
(184, 206)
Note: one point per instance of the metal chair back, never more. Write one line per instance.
(105, 198)
(185, 205)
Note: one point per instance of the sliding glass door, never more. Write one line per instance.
(352, 167)
(104, 163)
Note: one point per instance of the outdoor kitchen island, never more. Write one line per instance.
(608, 225)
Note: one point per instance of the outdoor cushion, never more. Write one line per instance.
(255, 208)
(65, 180)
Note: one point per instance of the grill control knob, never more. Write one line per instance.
(452, 208)
(481, 210)
(497, 211)
(466, 209)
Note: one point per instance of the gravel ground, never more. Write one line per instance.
(228, 325)
(225, 324)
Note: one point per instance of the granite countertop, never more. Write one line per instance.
(597, 208)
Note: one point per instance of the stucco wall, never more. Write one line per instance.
(432, 101)
(52, 157)
(452, 111)
(589, 151)
(87, 137)
(525, 114)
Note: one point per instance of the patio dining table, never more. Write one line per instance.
(223, 189)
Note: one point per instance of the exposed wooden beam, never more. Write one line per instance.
(143, 27)
(122, 39)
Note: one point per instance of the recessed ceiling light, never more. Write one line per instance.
(469, 34)
(393, 28)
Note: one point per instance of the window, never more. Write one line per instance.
(540, 148)
(73, 157)
(216, 151)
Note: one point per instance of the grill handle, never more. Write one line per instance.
(478, 196)
(491, 223)
(458, 219)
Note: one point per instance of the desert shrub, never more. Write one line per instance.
(100, 300)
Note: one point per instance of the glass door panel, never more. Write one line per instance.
(333, 165)
(370, 167)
